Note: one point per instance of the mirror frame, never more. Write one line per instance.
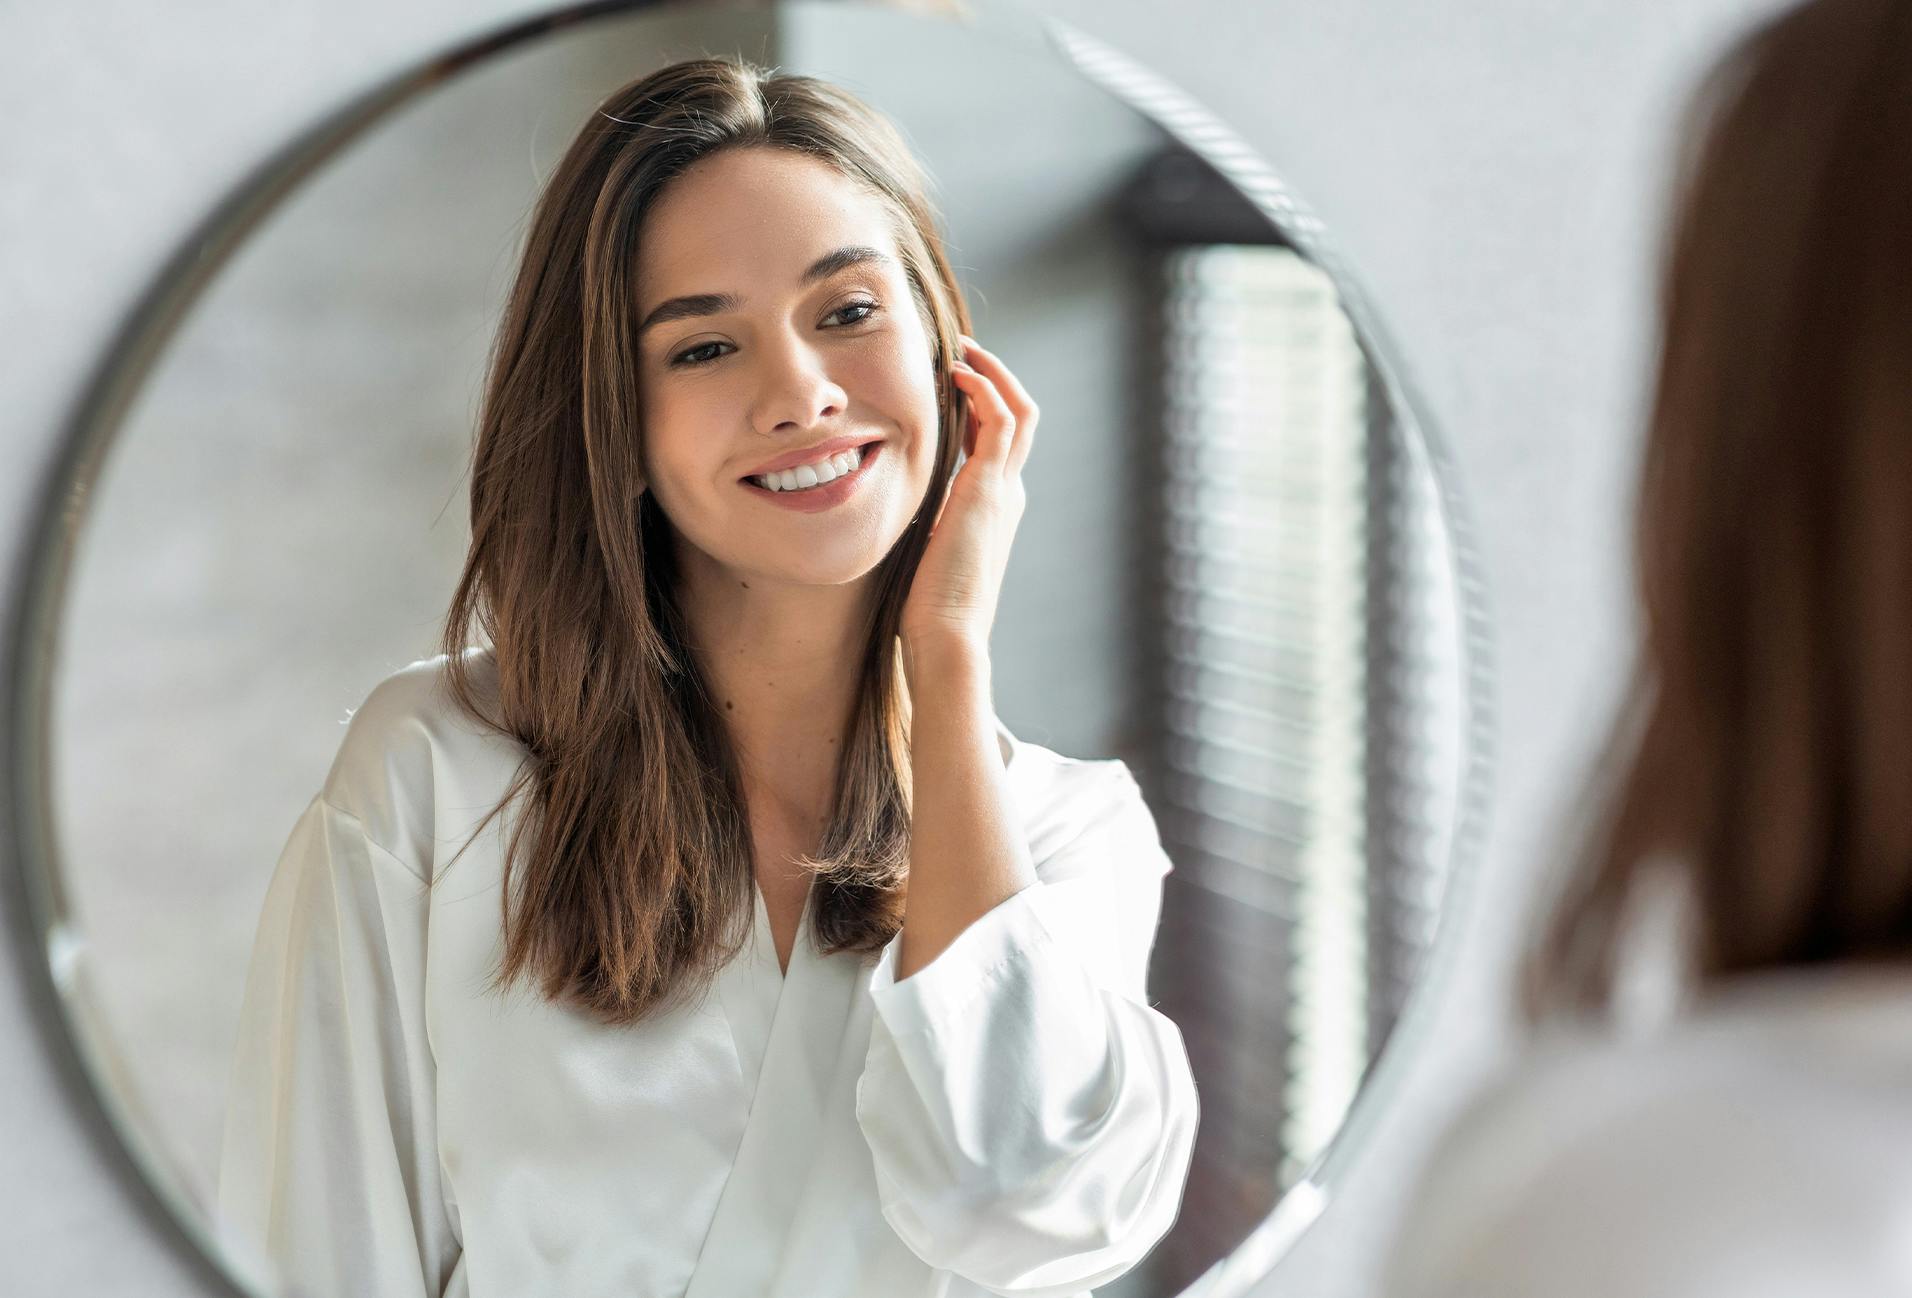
(52, 952)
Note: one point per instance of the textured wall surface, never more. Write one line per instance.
(1493, 171)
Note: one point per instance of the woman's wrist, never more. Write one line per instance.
(945, 663)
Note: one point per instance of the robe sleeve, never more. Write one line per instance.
(329, 1171)
(1030, 1117)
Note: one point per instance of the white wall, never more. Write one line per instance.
(1491, 168)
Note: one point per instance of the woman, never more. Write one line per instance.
(705, 934)
(1760, 811)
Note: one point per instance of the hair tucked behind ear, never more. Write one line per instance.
(1765, 756)
(631, 851)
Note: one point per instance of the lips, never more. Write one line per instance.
(826, 496)
(811, 454)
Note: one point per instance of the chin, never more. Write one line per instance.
(836, 574)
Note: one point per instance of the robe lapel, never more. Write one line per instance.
(752, 988)
(789, 1031)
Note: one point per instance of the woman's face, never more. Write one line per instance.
(799, 344)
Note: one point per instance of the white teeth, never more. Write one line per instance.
(811, 475)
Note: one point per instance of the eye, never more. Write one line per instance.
(870, 308)
(705, 353)
(693, 356)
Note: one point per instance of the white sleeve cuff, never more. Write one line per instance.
(964, 970)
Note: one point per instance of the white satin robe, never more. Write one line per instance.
(1752, 1144)
(1014, 1118)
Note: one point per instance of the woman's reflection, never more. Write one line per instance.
(774, 964)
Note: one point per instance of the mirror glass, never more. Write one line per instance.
(1235, 571)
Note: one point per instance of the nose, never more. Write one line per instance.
(796, 394)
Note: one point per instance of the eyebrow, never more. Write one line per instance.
(703, 304)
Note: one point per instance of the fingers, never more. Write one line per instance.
(996, 423)
(1007, 404)
(981, 358)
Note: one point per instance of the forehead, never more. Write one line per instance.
(753, 217)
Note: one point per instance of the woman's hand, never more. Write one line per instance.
(952, 599)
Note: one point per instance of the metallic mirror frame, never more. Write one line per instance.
(52, 951)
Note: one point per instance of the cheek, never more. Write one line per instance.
(670, 452)
(899, 377)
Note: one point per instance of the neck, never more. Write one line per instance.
(784, 663)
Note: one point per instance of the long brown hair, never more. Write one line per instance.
(634, 855)
(1764, 756)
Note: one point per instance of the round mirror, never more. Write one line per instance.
(1239, 575)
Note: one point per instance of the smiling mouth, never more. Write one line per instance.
(811, 476)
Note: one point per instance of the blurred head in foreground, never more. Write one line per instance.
(1763, 762)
